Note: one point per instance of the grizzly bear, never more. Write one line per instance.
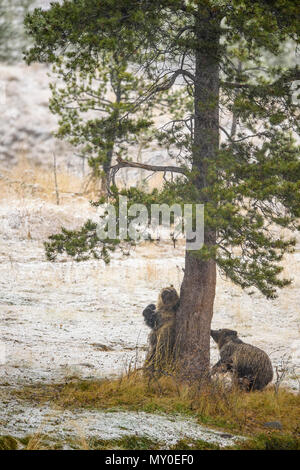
(161, 320)
(250, 366)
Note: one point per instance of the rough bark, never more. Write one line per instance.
(198, 287)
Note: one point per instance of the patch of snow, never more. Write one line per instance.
(63, 424)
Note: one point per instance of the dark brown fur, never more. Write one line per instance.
(161, 320)
(250, 366)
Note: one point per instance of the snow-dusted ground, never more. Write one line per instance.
(66, 319)
(56, 317)
(63, 425)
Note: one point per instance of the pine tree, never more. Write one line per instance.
(90, 103)
(237, 147)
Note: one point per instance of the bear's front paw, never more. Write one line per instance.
(150, 315)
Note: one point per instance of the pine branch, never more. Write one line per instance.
(290, 76)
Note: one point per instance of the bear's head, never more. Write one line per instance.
(168, 298)
(222, 336)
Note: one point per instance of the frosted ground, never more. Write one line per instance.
(64, 319)
(67, 319)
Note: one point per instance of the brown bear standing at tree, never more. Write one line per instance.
(161, 320)
(251, 367)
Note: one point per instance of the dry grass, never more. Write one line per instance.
(127, 442)
(233, 410)
(27, 180)
(35, 442)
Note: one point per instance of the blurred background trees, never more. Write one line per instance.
(12, 35)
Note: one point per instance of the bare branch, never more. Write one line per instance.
(126, 164)
(158, 88)
(168, 83)
(226, 133)
(258, 134)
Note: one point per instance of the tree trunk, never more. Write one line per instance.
(112, 137)
(198, 287)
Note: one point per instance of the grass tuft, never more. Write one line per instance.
(271, 442)
(8, 443)
(212, 405)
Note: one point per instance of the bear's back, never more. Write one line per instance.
(252, 362)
